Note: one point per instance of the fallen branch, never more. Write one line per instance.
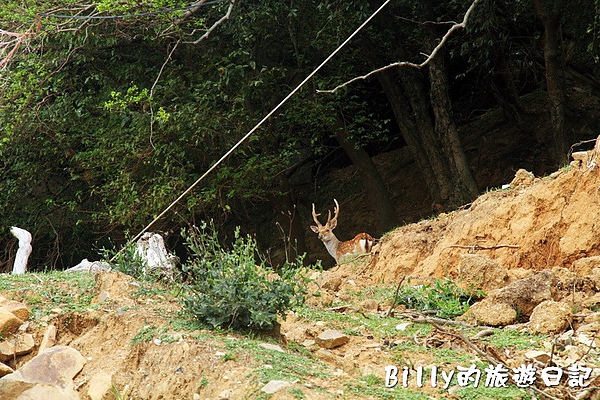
(468, 342)
(428, 58)
(474, 247)
(395, 298)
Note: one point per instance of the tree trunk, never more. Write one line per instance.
(445, 128)
(550, 13)
(377, 191)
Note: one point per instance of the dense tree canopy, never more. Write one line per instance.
(108, 111)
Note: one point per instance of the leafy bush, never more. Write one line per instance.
(444, 296)
(229, 290)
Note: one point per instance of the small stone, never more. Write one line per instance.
(270, 346)
(16, 346)
(369, 305)
(9, 323)
(538, 355)
(49, 339)
(402, 326)
(19, 309)
(492, 313)
(99, 385)
(5, 370)
(103, 296)
(550, 317)
(275, 386)
(330, 339)
(226, 394)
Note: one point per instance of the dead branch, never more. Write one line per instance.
(461, 336)
(428, 58)
(215, 25)
(395, 297)
(473, 247)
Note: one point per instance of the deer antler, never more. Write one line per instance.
(315, 215)
(336, 211)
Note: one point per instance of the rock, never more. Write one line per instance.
(16, 346)
(522, 178)
(550, 317)
(49, 338)
(92, 267)
(481, 272)
(326, 356)
(226, 394)
(270, 346)
(99, 385)
(18, 309)
(492, 313)
(5, 370)
(47, 376)
(9, 322)
(369, 305)
(525, 294)
(541, 356)
(585, 266)
(330, 339)
(331, 281)
(275, 386)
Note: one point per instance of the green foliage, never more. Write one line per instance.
(443, 296)
(229, 290)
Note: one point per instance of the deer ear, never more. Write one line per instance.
(314, 229)
(333, 224)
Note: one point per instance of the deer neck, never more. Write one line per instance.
(331, 244)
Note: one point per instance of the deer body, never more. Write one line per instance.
(362, 243)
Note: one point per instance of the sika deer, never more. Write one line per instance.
(362, 243)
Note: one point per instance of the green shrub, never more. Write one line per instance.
(444, 296)
(229, 290)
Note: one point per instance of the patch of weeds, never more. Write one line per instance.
(373, 386)
(379, 293)
(229, 356)
(146, 334)
(297, 393)
(118, 394)
(183, 323)
(277, 365)
(44, 291)
(492, 393)
(443, 296)
(234, 289)
(510, 338)
(203, 382)
(361, 324)
(352, 332)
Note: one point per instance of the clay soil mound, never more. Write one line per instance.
(534, 225)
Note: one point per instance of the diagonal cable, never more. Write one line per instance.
(258, 125)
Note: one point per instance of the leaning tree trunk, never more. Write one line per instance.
(435, 147)
(445, 128)
(377, 191)
(550, 13)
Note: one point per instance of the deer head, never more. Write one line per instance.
(325, 232)
(360, 244)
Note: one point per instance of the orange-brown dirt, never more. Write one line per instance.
(535, 225)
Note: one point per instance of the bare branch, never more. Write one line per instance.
(10, 42)
(428, 58)
(215, 25)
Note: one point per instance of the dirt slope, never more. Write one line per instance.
(547, 222)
